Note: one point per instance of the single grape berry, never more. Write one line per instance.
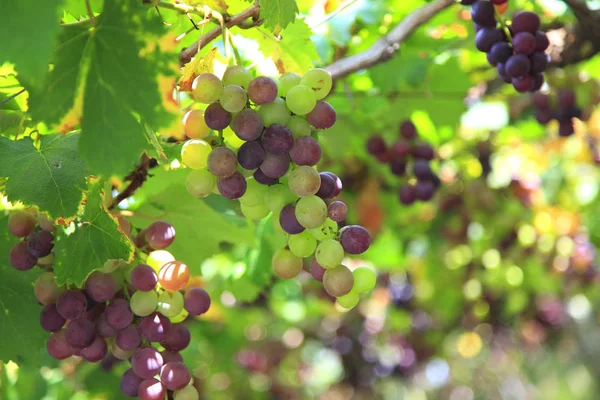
(322, 116)
(483, 13)
(21, 223)
(216, 117)
(501, 52)
(408, 130)
(288, 221)
(247, 124)
(262, 90)
(525, 21)
(40, 243)
(524, 84)
(486, 38)
(355, 239)
(251, 155)
(398, 166)
(524, 43)
(407, 195)
(143, 278)
(376, 145)
(518, 66)
(232, 187)
(160, 235)
(277, 139)
(197, 301)
(20, 257)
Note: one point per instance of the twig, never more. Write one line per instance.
(90, 12)
(384, 48)
(12, 96)
(137, 178)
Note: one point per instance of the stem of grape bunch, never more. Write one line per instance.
(503, 23)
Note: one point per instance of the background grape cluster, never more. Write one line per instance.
(123, 312)
(564, 111)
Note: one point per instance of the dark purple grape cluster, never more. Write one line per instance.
(408, 158)
(122, 312)
(564, 112)
(518, 52)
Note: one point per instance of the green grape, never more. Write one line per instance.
(112, 265)
(194, 153)
(301, 100)
(311, 212)
(255, 193)
(181, 316)
(302, 244)
(187, 393)
(299, 126)
(157, 258)
(170, 303)
(364, 279)
(338, 281)
(318, 80)
(207, 88)
(330, 253)
(200, 183)
(233, 98)
(274, 113)
(286, 82)
(285, 264)
(304, 181)
(255, 213)
(277, 196)
(325, 231)
(349, 300)
(236, 75)
(143, 303)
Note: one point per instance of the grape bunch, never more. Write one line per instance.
(518, 52)
(122, 312)
(565, 111)
(274, 170)
(408, 159)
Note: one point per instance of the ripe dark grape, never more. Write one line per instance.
(501, 52)
(400, 148)
(20, 258)
(524, 84)
(96, 351)
(100, 287)
(103, 328)
(525, 21)
(72, 304)
(146, 362)
(338, 183)
(58, 347)
(316, 270)
(262, 90)
(407, 194)
(155, 327)
(524, 43)
(118, 314)
(175, 375)
(482, 13)
(541, 100)
(196, 301)
(544, 115)
(160, 235)
(151, 389)
(222, 162)
(486, 38)
(337, 211)
(247, 124)
(21, 223)
(144, 278)
(408, 130)
(423, 151)
(398, 166)
(130, 383)
(566, 128)
(251, 155)
(264, 179)
(328, 186)
(178, 338)
(422, 170)
(490, 59)
(233, 187)
(275, 166)
(306, 151)
(216, 117)
(355, 239)
(50, 319)
(467, 2)
(277, 139)
(541, 41)
(322, 116)
(80, 333)
(517, 66)
(424, 190)
(539, 62)
(128, 338)
(171, 356)
(288, 221)
(566, 98)
(40, 243)
(376, 145)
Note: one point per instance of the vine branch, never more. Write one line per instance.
(136, 178)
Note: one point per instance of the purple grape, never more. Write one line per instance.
(376, 145)
(109, 362)
(355, 239)
(155, 327)
(144, 278)
(541, 100)
(146, 362)
(171, 356)
(337, 211)
(539, 81)
(160, 235)
(422, 170)
(262, 90)
(50, 319)
(128, 338)
(251, 155)
(566, 128)
(517, 66)
(288, 221)
(130, 383)
(407, 194)
(524, 84)
(277, 139)
(216, 117)
(20, 258)
(543, 115)
(96, 351)
(524, 43)
(264, 179)
(408, 130)
(525, 21)
(423, 151)
(483, 13)
(118, 314)
(71, 304)
(57, 346)
(178, 338)
(196, 301)
(151, 389)
(328, 186)
(486, 38)
(322, 116)
(103, 328)
(275, 166)
(490, 59)
(424, 190)
(80, 333)
(233, 187)
(21, 223)
(566, 98)
(316, 270)
(541, 41)
(398, 166)
(501, 52)
(100, 287)
(539, 62)
(40, 243)
(247, 125)
(306, 151)
(175, 376)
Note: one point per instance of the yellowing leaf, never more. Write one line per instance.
(198, 65)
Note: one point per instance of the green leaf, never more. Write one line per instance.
(22, 336)
(278, 13)
(12, 122)
(28, 30)
(51, 177)
(95, 240)
(77, 8)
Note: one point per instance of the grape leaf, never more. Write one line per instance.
(22, 336)
(278, 13)
(51, 177)
(95, 240)
(28, 29)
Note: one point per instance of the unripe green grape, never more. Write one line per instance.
(237, 75)
(330, 253)
(277, 196)
(157, 258)
(112, 265)
(200, 183)
(170, 303)
(255, 213)
(285, 264)
(302, 244)
(255, 193)
(233, 98)
(143, 304)
(187, 393)
(181, 316)
(301, 100)
(299, 126)
(338, 281)
(311, 212)
(349, 300)
(319, 80)
(275, 112)
(207, 88)
(364, 279)
(194, 153)
(304, 181)
(326, 231)
(194, 125)
(286, 82)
